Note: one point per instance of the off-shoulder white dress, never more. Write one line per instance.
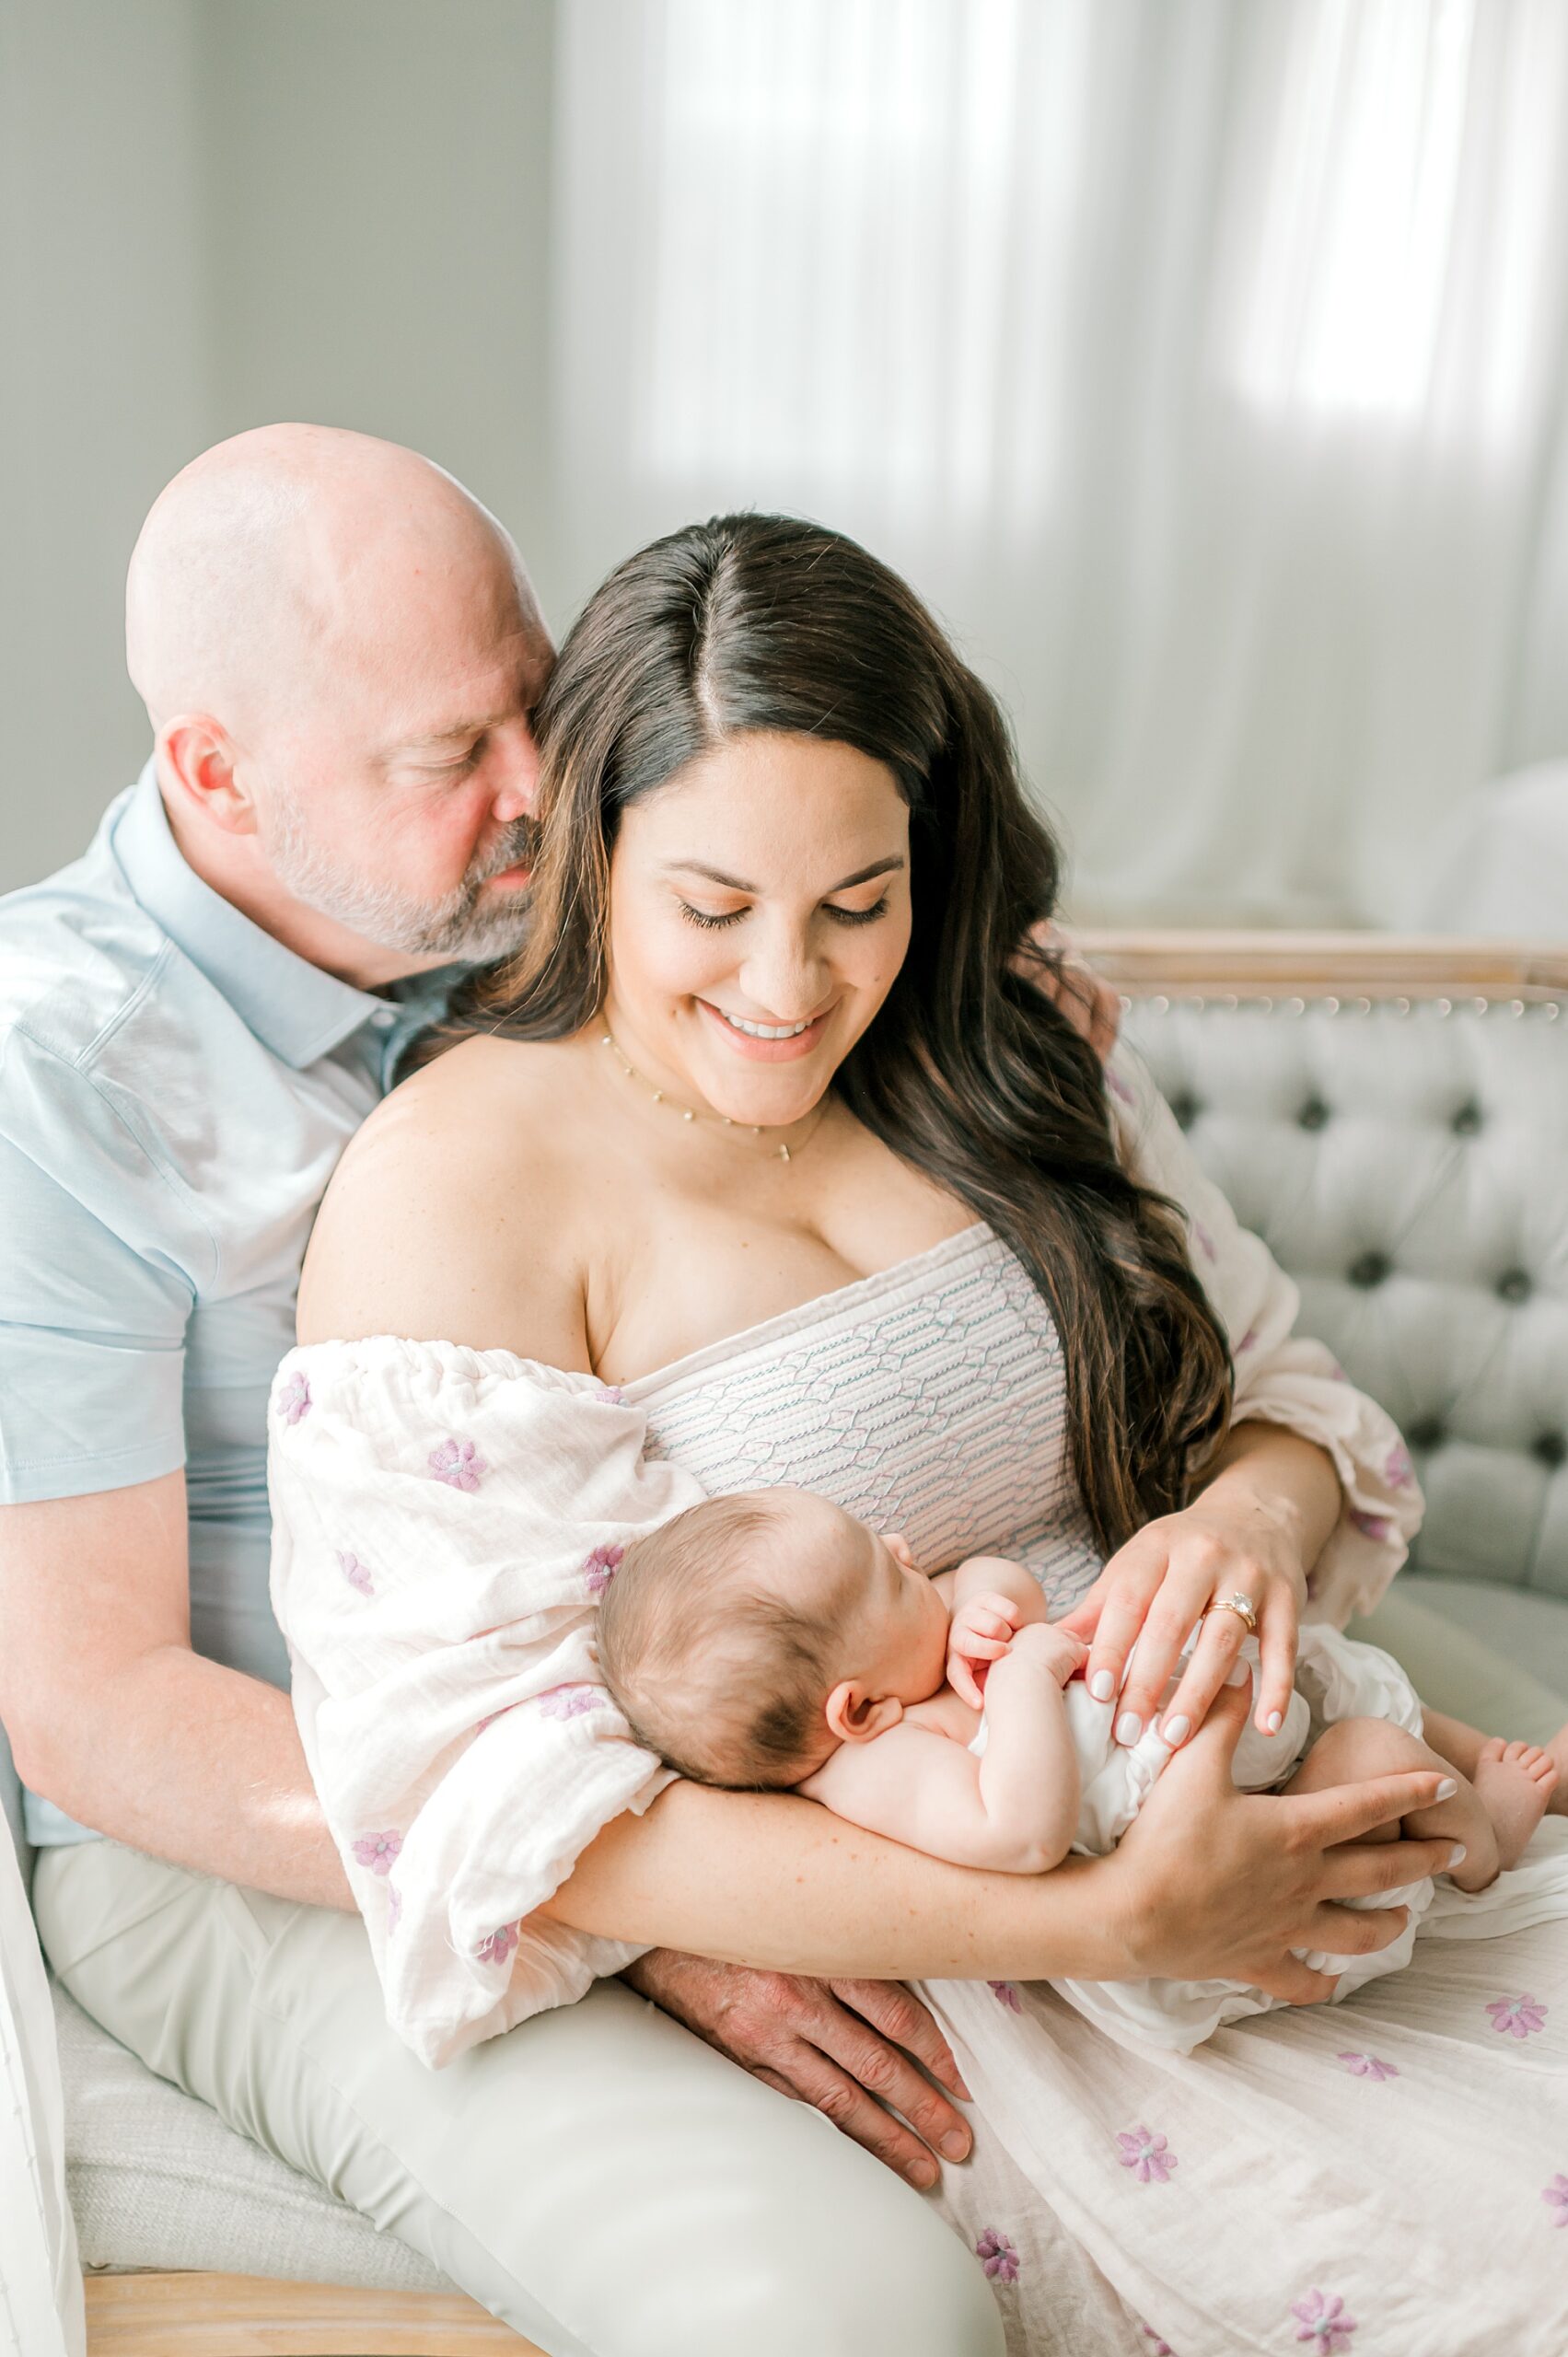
(1376, 2176)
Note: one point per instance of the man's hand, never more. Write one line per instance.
(844, 2046)
(1092, 1006)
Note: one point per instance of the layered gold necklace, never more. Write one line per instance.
(783, 1152)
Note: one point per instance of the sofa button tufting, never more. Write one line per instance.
(1466, 1122)
(1427, 1434)
(1314, 1114)
(1369, 1271)
(1186, 1108)
(1513, 1287)
(1551, 1448)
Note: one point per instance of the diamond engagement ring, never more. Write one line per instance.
(1241, 1604)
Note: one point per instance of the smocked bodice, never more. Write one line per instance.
(929, 1398)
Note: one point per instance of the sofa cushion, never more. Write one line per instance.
(157, 2181)
(1403, 1161)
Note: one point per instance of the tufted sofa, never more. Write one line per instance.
(1392, 1118)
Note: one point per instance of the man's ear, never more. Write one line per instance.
(201, 763)
(856, 1716)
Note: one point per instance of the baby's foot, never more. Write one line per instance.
(1513, 1783)
(1557, 1752)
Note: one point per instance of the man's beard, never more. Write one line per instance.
(464, 925)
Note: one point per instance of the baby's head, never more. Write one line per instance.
(749, 1637)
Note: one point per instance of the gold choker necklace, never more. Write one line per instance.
(721, 1120)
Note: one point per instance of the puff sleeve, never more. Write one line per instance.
(1280, 1378)
(445, 1521)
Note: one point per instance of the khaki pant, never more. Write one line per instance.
(599, 2177)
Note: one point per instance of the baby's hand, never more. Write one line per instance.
(980, 1632)
(1057, 1648)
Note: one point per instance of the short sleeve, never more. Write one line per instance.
(94, 1304)
(1281, 1378)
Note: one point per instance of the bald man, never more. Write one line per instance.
(339, 651)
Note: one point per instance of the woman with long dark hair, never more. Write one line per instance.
(768, 1151)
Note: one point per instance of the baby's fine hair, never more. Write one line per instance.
(723, 1679)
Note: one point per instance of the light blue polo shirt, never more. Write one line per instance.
(175, 1090)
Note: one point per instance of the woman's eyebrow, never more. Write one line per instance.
(734, 882)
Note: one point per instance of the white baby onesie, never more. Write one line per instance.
(1335, 1678)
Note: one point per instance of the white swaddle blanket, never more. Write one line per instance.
(443, 1523)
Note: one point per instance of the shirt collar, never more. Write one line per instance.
(296, 1009)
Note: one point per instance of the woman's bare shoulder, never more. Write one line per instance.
(433, 1224)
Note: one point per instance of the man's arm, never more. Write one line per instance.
(114, 1718)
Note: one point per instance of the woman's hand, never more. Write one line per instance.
(1258, 1527)
(844, 2046)
(1222, 1885)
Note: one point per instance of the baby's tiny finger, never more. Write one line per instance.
(961, 1678)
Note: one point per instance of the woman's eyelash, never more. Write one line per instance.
(711, 923)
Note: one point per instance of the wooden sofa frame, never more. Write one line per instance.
(238, 2316)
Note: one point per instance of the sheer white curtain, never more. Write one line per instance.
(1202, 361)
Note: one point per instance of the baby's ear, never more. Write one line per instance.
(898, 1547)
(855, 1715)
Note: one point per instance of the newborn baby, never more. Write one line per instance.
(770, 1639)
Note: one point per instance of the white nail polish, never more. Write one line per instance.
(1275, 1721)
(1239, 1674)
(1175, 1731)
(1129, 1727)
(1102, 1686)
(1446, 1789)
(1457, 1858)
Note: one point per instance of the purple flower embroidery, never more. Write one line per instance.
(1323, 2322)
(1005, 1995)
(1147, 2157)
(354, 1571)
(1367, 2066)
(1398, 1472)
(380, 1852)
(1373, 1526)
(294, 1399)
(601, 1567)
(569, 1701)
(499, 1946)
(1518, 2016)
(997, 2256)
(459, 1464)
(394, 1905)
(1556, 2196)
(613, 1393)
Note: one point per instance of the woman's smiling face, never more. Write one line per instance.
(758, 913)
